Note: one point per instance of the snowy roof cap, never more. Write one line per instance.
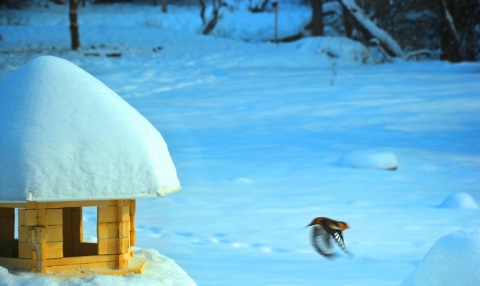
(64, 135)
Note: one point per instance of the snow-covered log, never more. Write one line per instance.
(365, 25)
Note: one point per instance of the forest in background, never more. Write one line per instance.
(414, 30)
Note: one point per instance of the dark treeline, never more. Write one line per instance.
(445, 29)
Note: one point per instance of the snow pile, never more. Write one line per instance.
(369, 159)
(459, 201)
(341, 49)
(159, 271)
(65, 135)
(453, 260)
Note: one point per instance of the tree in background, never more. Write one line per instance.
(459, 38)
(73, 16)
(317, 18)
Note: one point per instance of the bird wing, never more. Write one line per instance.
(321, 241)
(337, 235)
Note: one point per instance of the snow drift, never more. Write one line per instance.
(65, 135)
(453, 260)
(369, 159)
(459, 201)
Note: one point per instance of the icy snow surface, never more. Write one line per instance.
(453, 260)
(65, 136)
(256, 130)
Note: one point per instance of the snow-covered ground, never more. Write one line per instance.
(257, 131)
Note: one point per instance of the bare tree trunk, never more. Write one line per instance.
(202, 11)
(347, 22)
(213, 22)
(317, 18)
(450, 43)
(73, 15)
(164, 6)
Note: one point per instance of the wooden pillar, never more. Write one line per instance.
(114, 231)
(40, 234)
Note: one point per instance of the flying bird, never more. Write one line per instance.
(324, 231)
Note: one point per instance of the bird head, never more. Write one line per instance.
(339, 225)
(343, 225)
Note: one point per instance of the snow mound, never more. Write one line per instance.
(159, 271)
(369, 159)
(459, 201)
(341, 49)
(65, 135)
(453, 260)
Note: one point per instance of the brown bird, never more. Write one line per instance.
(324, 229)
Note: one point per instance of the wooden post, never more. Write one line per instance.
(132, 222)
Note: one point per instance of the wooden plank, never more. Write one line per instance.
(107, 214)
(81, 260)
(93, 265)
(71, 204)
(123, 212)
(53, 217)
(41, 214)
(108, 246)
(136, 266)
(52, 249)
(13, 205)
(27, 217)
(54, 233)
(107, 230)
(41, 248)
(125, 229)
(67, 232)
(123, 260)
(23, 233)
(7, 226)
(18, 262)
(76, 216)
(86, 248)
(6, 212)
(25, 250)
(132, 221)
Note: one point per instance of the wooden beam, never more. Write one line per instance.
(72, 204)
(18, 262)
(136, 266)
(107, 214)
(80, 260)
(13, 205)
(132, 222)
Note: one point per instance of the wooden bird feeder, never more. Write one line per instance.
(69, 142)
(50, 238)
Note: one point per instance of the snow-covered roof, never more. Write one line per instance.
(64, 135)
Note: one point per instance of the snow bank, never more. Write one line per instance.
(453, 260)
(369, 159)
(159, 271)
(459, 201)
(65, 135)
(340, 49)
